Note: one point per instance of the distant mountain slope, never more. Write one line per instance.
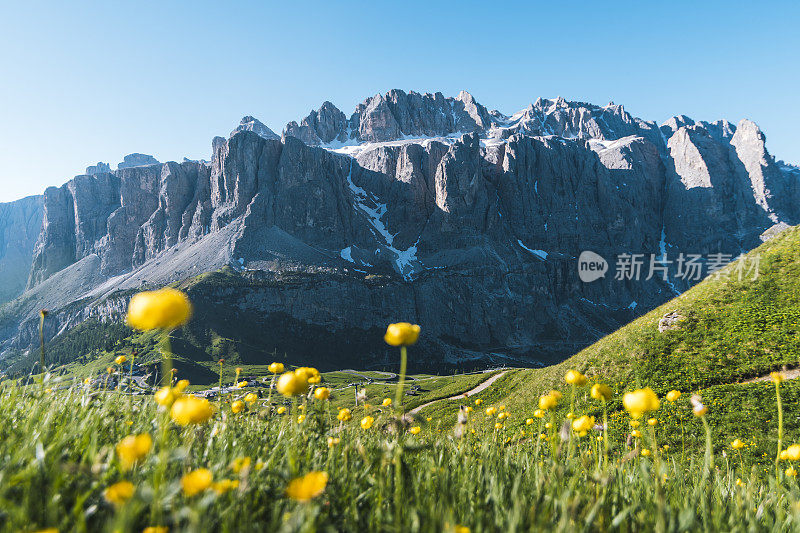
(472, 219)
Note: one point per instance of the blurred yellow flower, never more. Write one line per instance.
(791, 472)
(737, 444)
(367, 422)
(301, 419)
(502, 416)
(119, 493)
(601, 392)
(461, 529)
(634, 423)
(251, 397)
(280, 410)
(640, 402)
(240, 463)
(529, 421)
(226, 485)
(573, 377)
(191, 410)
(539, 413)
(165, 308)
(344, 414)
(196, 481)
(292, 383)
(166, 396)
(478, 401)
(547, 401)
(181, 385)
(386, 402)
(645, 452)
(401, 334)
(652, 422)
(739, 482)
(333, 441)
(636, 433)
(414, 430)
(322, 393)
(491, 411)
(673, 395)
(133, 448)
(793, 452)
(777, 377)
(275, 368)
(237, 406)
(305, 488)
(120, 359)
(242, 384)
(583, 424)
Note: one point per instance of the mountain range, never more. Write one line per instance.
(417, 207)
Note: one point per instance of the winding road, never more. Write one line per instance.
(483, 386)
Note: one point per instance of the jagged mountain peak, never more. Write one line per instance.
(250, 123)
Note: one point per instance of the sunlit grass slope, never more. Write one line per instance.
(733, 331)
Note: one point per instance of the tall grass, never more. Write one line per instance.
(57, 457)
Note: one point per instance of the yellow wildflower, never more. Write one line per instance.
(386, 402)
(226, 485)
(275, 368)
(292, 383)
(333, 441)
(401, 334)
(601, 392)
(196, 481)
(305, 488)
(251, 397)
(322, 393)
(367, 422)
(737, 444)
(673, 395)
(165, 308)
(191, 410)
(133, 448)
(414, 430)
(640, 402)
(240, 463)
(573, 377)
(344, 414)
(119, 493)
(120, 359)
(237, 406)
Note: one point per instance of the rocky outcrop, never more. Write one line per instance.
(418, 207)
(137, 160)
(99, 168)
(20, 225)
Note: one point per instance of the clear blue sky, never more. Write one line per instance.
(81, 83)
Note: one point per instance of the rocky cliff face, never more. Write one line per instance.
(20, 225)
(421, 208)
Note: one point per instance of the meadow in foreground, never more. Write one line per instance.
(82, 459)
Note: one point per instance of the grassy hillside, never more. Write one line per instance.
(733, 331)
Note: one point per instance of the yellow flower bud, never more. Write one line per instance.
(322, 393)
(275, 368)
(640, 402)
(237, 406)
(119, 493)
(401, 334)
(673, 395)
(196, 481)
(601, 392)
(305, 488)
(165, 308)
(191, 410)
(573, 377)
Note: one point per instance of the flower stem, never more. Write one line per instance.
(398, 397)
(780, 428)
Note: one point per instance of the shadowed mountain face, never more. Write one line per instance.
(418, 207)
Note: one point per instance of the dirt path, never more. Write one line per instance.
(483, 386)
(788, 374)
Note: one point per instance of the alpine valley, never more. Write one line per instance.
(418, 207)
